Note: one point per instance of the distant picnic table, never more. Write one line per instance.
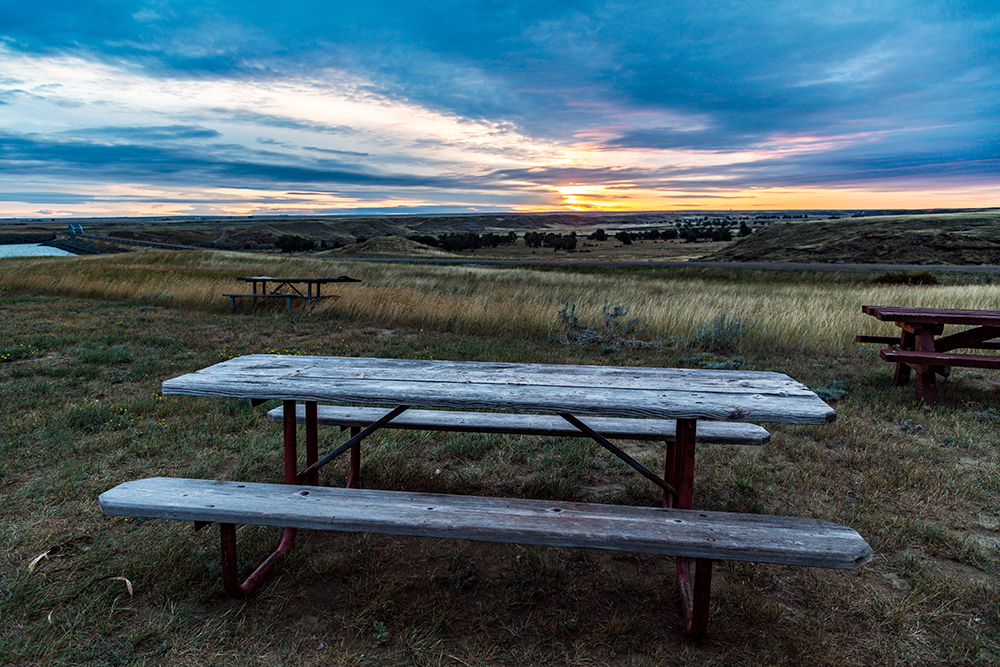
(920, 346)
(286, 288)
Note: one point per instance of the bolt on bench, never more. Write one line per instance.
(657, 395)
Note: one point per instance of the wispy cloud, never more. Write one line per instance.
(461, 105)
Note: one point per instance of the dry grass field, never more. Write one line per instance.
(87, 341)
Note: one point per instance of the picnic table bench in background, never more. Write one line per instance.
(922, 348)
(610, 401)
(287, 289)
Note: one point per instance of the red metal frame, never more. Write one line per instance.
(354, 474)
(678, 470)
(678, 474)
(227, 531)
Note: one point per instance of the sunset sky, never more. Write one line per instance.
(128, 107)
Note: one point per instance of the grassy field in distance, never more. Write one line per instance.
(87, 341)
(609, 250)
(789, 310)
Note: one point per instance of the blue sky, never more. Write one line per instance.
(130, 107)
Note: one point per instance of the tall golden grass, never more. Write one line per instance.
(813, 314)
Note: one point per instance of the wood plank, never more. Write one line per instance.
(934, 315)
(723, 433)
(315, 281)
(476, 372)
(692, 533)
(617, 391)
(953, 342)
(917, 357)
(551, 400)
(976, 338)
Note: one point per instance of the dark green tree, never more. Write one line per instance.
(293, 243)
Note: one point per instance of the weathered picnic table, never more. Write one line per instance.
(573, 393)
(287, 289)
(921, 346)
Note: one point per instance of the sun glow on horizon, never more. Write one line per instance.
(330, 142)
(625, 198)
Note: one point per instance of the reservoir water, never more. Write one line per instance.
(31, 250)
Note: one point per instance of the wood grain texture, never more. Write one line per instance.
(692, 533)
(587, 390)
(722, 433)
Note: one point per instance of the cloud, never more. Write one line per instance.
(45, 197)
(222, 165)
(509, 97)
(331, 151)
(146, 134)
(277, 120)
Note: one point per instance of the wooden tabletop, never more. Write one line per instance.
(934, 315)
(315, 281)
(670, 393)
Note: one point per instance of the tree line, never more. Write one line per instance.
(471, 241)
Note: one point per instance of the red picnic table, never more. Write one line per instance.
(922, 347)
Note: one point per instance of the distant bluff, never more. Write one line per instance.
(970, 237)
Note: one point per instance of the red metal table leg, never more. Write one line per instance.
(695, 595)
(670, 474)
(227, 531)
(312, 441)
(678, 470)
(289, 431)
(230, 569)
(354, 474)
(684, 463)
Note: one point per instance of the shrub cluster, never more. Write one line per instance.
(707, 231)
(294, 243)
(612, 328)
(725, 334)
(554, 241)
(906, 278)
(467, 241)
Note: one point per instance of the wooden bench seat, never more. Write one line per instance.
(726, 433)
(668, 532)
(942, 359)
(271, 295)
(894, 340)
